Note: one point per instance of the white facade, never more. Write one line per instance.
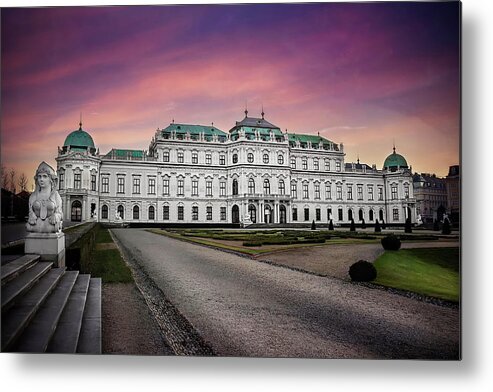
(254, 174)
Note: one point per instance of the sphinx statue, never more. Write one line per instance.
(45, 204)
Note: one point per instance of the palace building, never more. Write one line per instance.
(253, 174)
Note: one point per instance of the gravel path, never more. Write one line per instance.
(128, 326)
(244, 308)
(335, 260)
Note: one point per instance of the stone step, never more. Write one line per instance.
(66, 334)
(90, 333)
(15, 267)
(17, 318)
(13, 290)
(38, 333)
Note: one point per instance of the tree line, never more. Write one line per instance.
(12, 181)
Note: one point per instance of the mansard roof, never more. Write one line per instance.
(193, 129)
(255, 123)
(117, 153)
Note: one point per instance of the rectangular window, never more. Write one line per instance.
(307, 214)
(370, 192)
(77, 180)
(180, 157)
(93, 182)
(339, 192)
(282, 188)
(360, 192)
(380, 193)
(317, 214)
(223, 213)
(180, 189)
(295, 214)
(195, 158)
(315, 164)
(406, 191)
(165, 186)
(165, 156)
(222, 188)
(327, 165)
(208, 159)
(328, 191)
(165, 212)
(338, 166)
(121, 185)
(395, 214)
(61, 180)
(222, 159)
(105, 185)
(209, 213)
(393, 190)
(294, 190)
(340, 215)
(195, 187)
(152, 186)
(136, 185)
(180, 212)
(305, 191)
(350, 192)
(317, 191)
(195, 213)
(208, 188)
(304, 164)
(293, 163)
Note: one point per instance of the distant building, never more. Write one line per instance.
(452, 182)
(15, 206)
(431, 197)
(255, 173)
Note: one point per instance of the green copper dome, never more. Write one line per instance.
(394, 161)
(79, 139)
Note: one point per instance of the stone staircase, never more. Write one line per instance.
(47, 309)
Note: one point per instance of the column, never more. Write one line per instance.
(83, 209)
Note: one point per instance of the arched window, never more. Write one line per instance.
(380, 215)
(282, 187)
(151, 212)
(235, 187)
(361, 216)
(250, 157)
(120, 211)
(266, 187)
(371, 214)
(76, 211)
(251, 186)
(350, 214)
(252, 211)
(104, 212)
(136, 212)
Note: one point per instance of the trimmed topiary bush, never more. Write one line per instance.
(362, 271)
(436, 226)
(446, 227)
(383, 224)
(408, 228)
(331, 225)
(352, 227)
(391, 242)
(313, 225)
(378, 229)
(363, 224)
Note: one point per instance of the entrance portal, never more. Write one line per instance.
(76, 211)
(282, 213)
(235, 214)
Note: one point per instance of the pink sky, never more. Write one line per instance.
(362, 74)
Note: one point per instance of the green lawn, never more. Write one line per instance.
(431, 271)
(106, 262)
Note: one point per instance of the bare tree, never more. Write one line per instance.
(4, 176)
(12, 180)
(23, 182)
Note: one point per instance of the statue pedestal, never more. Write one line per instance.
(50, 246)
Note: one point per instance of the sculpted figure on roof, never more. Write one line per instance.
(45, 204)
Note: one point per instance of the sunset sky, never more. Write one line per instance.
(362, 74)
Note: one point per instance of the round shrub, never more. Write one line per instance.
(446, 227)
(391, 242)
(331, 225)
(362, 271)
